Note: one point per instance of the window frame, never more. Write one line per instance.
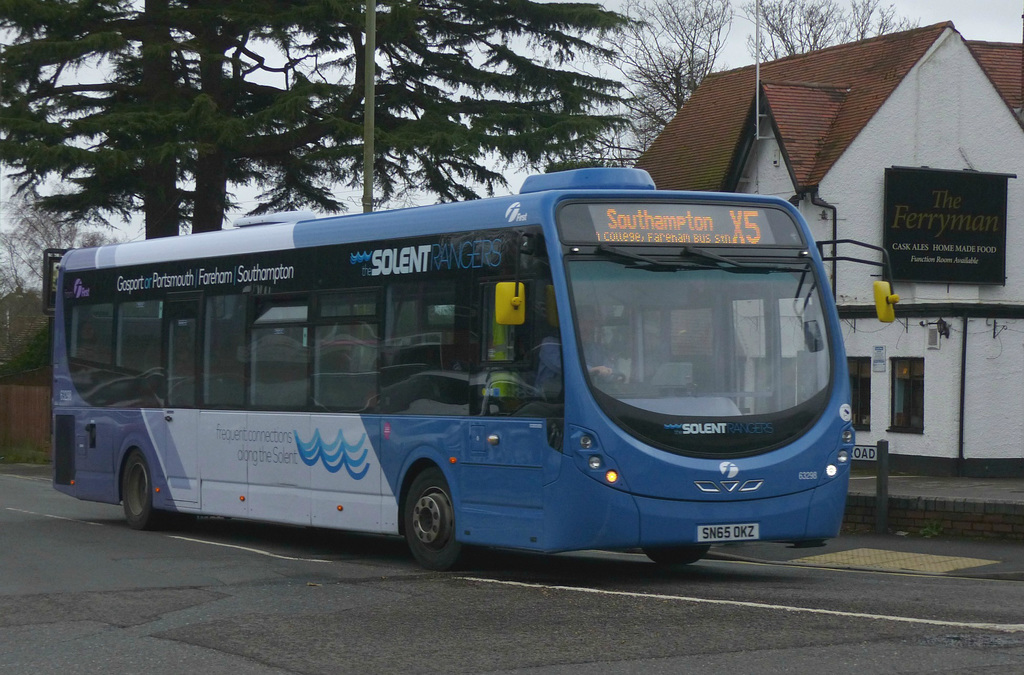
(915, 391)
(265, 321)
(322, 319)
(860, 378)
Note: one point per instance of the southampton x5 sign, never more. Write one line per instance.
(946, 226)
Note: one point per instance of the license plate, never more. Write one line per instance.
(730, 532)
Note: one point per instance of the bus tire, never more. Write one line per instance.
(430, 522)
(677, 555)
(137, 493)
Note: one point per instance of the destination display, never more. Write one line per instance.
(676, 223)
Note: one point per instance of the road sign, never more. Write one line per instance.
(865, 452)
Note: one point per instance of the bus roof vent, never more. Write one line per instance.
(590, 179)
(275, 218)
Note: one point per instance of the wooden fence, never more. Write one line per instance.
(24, 416)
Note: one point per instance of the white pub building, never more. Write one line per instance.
(913, 143)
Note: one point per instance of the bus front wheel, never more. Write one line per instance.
(677, 555)
(430, 522)
(137, 493)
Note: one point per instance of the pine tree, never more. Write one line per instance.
(167, 106)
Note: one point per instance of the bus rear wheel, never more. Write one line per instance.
(429, 520)
(137, 493)
(677, 555)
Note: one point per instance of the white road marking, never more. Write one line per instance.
(250, 550)
(35, 478)
(191, 539)
(998, 627)
(47, 515)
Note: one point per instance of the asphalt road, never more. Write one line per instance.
(82, 593)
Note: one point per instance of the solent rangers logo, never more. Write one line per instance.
(354, 457)
(715, 428)
(359, 257)
(456, 253)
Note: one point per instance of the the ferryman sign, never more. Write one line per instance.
(946, 226)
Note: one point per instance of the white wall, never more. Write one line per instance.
(766, 172)
(946, 114)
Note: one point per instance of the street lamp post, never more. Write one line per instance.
(368, 121)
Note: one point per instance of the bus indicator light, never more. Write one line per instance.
(241, 498)
(340, 508)
(452, 460)
(612, 476)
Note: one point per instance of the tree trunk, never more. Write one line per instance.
(211, 192)
(160, 171)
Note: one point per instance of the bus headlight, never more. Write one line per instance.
(594, 462)
(843, 457)
(831, 470)
(847, 436)
(586, 442)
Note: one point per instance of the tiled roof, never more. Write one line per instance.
(824, 99)
(1004, 63)
(804, 115)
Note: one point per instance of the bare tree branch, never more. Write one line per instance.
(663, 54)
(798, 26)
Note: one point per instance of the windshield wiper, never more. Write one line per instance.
(703, 255)
(630, 255)
(693, 251)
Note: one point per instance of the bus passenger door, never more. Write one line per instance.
(502, 476)
(181, 417)
(501, 481)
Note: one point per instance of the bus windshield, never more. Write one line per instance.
(703, 360)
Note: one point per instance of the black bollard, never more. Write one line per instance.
(882, 489)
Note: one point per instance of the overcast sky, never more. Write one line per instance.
(989, 20)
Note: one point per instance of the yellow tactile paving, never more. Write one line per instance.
(895, 560)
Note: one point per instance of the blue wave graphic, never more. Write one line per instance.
(337, 454)
(359, 258)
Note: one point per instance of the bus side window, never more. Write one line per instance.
(522, 365)
(346, 347)
(138, 351)
(224, 351)
(90, 351)
(424, 364)
(278, 354)
(91, 327)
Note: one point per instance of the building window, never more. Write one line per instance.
(860, 390)
(908, 395)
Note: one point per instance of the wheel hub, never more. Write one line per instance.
(431, 517)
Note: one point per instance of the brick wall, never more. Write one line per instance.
(939, 516)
